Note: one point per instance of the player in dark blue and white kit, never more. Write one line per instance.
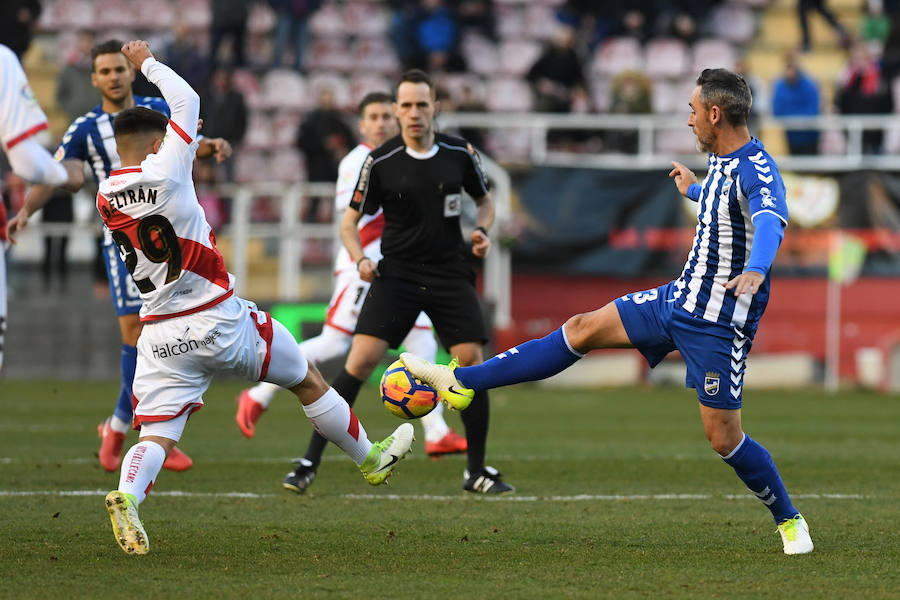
(709, 314)
(90, 139)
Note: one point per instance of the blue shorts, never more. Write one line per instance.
(715, 355)
(125, 295)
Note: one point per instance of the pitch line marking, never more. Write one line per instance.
(444, 498)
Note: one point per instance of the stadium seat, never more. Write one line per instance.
(455, 83)
(540, 21)
(287, 166)
(260, 51)
(246, 83)
(664, 97)
(374, 54)
(284, 128)
(510, 21)
(508, 94)
(74, 14)
(250, 166)
(601, 93)
(195, 13)
(712, 53)
(480, 54)
(259, 134)
(666, 57)
(517, 56)
(328, 54)
(364, 83)
(261, 19)
(733, 22)
(111, 14)
(282, 88)
(338, 85)
(616, 55)
(367, 19)
(155, 15)
(328, 21)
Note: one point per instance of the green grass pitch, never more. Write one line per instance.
(619, 495)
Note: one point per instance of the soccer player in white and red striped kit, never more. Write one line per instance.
(194, 326)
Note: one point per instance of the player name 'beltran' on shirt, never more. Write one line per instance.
(738, 187)
(156, 221)
(421, 195)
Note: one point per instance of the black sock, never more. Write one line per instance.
(475, 419)
(347, 386)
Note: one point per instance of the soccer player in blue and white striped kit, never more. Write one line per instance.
(709, 314)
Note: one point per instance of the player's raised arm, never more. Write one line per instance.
(180, 143)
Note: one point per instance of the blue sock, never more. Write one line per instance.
(124, 407)
(533, 360)
(754, 465)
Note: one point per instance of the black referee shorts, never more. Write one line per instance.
(396, 298)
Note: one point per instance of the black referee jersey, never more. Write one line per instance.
(421, 197)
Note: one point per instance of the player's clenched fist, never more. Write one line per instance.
(137, 51)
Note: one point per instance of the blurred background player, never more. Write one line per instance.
(21, 118)
(417, 179)
(90, 139)
(151, 208)
(376, 124)
(709, 314)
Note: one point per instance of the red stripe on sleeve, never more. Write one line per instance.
(372, 230)
(188, 139)
(25, 135)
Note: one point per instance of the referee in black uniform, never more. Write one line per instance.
(418, 178)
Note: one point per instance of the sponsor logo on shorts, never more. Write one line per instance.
(184, 346)
(711, 383)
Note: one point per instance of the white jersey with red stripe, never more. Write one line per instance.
(156, 221)
(20, 114)
(370, 226)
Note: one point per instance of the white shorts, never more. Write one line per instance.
(348, 298)
(178, 357)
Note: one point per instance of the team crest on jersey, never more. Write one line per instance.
(711, 383)
(767, 200)
(28, 95)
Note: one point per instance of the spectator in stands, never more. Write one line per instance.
(631, 94)
(796, 94)
(557, 77)
(469, 102)
(804, 6)
(437, 38)
(477, 15)
(890, 54)
(229, 18)
(18, 19)
(224, 114)
(403, 16)
(291, 24)
(75, 94)
(183, 54)
(325, 138)
(863, 90)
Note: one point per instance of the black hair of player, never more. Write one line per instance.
(727, 90)
(373, 98)
(113, 46)
(139, 119)
(417, 76)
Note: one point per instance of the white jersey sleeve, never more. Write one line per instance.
(20, 115)
(348, 173)
(20, 119)
(175, 158)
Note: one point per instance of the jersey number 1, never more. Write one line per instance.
(159, 243)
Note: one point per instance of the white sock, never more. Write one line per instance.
(118, 425)
(263, 392)
(333, 419)
(434, 424)
(140, 467)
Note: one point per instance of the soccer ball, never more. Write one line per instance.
(404, 395)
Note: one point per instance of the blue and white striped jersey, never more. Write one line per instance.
(738, 186)
(90, 138)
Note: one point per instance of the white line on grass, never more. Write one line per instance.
(444, 498)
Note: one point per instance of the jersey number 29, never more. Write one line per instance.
(158, 242)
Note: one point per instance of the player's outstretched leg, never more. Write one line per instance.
(531, 361)
(754, 465)
(253, 402)
(140, 468)
(379, 464)
(440, 439)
